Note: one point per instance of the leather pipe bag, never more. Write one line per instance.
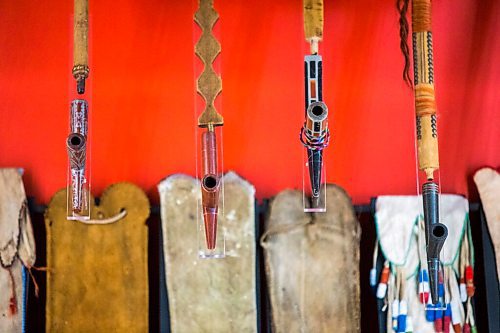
(17, 250)
(97, 278)
(209, 295)
(312, 264)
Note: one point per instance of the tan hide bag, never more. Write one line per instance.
(488, 184)
(97, 278)
(17, 249)
(312, 264)
(209, 295)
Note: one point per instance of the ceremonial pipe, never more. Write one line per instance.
(209, 86)
(426, 127)
(76, 142)
(314, 134)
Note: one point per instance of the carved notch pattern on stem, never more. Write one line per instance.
(209, 83)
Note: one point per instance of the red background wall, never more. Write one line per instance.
(143, 82)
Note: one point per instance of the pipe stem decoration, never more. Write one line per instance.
(426, 127)
(209, 86)
(76, 144)
(80, 44)
(314, 134)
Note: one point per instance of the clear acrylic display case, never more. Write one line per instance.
(211, 232)
(432, 272)
(78, 141)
